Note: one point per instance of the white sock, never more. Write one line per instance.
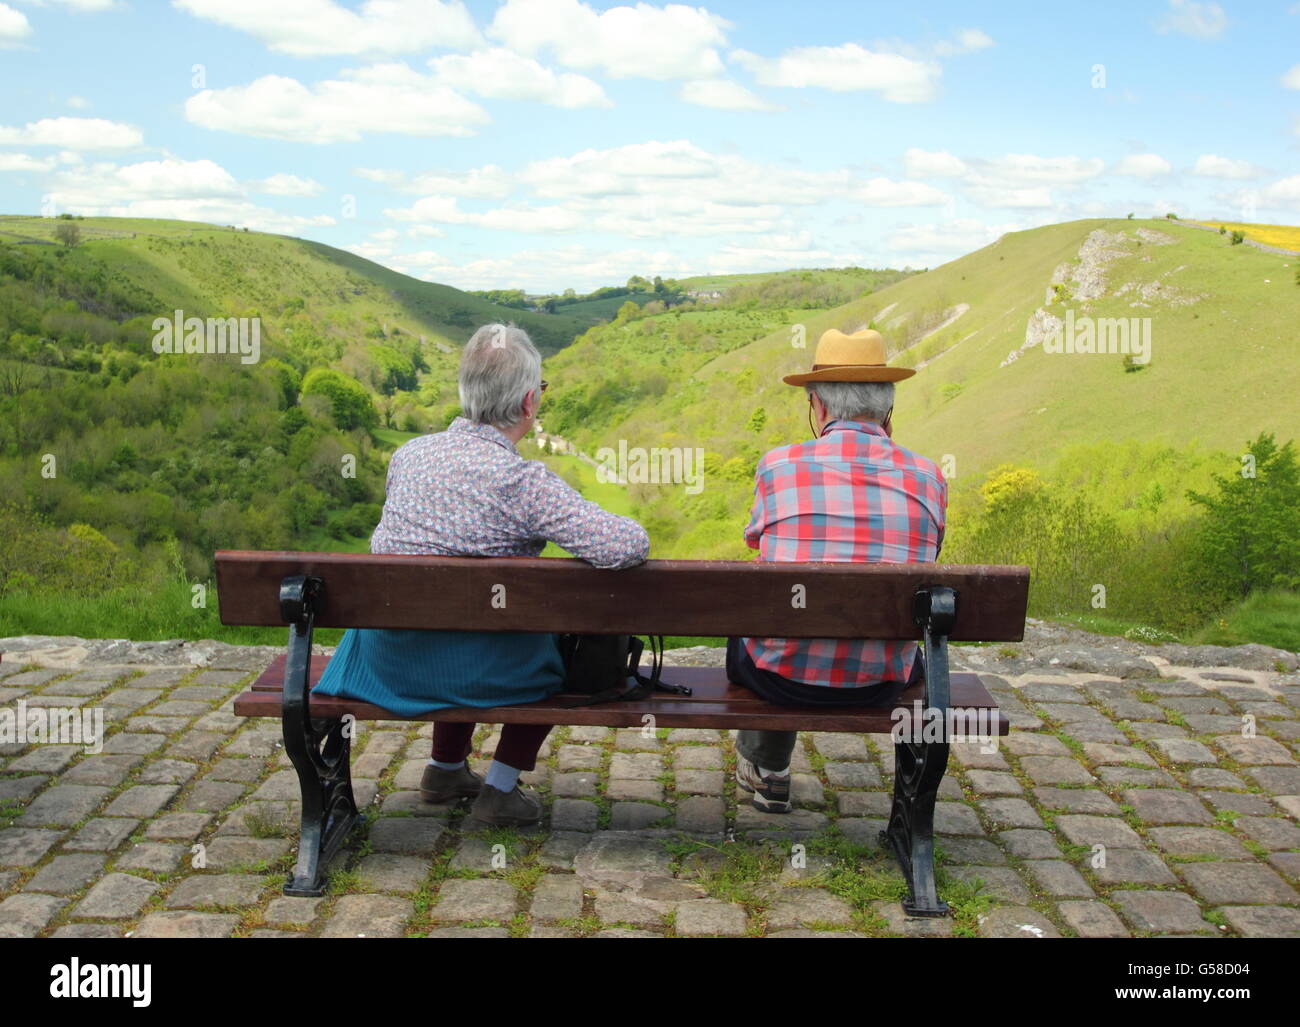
(446, 766)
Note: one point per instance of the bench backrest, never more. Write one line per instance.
(660, 597)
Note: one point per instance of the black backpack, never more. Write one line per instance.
(604, 668)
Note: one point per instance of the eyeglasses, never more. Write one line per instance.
(545, 384)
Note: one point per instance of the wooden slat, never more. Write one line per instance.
(661, 597)
(716, 703)
(667, 713)
(707, 684)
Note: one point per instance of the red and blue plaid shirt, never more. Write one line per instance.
(851, 496)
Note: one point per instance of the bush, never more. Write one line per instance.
(1248, 539)
(350, 403)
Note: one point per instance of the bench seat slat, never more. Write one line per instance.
(716, 703)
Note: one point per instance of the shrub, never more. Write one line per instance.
(1248, 539)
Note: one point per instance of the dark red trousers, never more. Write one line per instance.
(517, 748)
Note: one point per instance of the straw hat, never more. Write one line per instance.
(859, 357)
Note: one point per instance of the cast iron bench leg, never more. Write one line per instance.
(319, 749)
(919, 764)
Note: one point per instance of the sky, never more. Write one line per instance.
(552, 144)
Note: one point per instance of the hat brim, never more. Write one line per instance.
(851, 374)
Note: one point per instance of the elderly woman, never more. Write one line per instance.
(467, 492)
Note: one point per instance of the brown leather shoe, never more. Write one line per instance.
(438, 785)
(495, 808)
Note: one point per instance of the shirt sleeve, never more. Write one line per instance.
(757, 514)
(556, 512)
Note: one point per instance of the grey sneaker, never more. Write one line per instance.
(438, 785)
(495, 808)
(771, 794)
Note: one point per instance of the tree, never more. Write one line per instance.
(67, 233)
(1248, 539)
(349, 401)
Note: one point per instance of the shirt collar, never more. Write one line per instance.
(867, 428)
(486, 432)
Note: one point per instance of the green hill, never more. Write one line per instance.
(1223, 341)
(211, 270)
(1129, 440)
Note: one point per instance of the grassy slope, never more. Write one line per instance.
(1218, 373)
(208, 269)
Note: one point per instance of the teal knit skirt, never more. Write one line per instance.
(413, 672)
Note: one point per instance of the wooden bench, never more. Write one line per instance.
(929, 602)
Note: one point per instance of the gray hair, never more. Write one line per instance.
(856, 401)
(498, 368)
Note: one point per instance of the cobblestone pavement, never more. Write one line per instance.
(1116, 807)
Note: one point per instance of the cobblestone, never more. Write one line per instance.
(1208, 825)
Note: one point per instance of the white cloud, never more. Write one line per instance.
(542, 270)
(1029, 169)
(1024, 181)
(645, 190)
(724, 94)
(846, 68)
(73, 133)
(1010, 197)
(932, 244)
(1193, 18)
(79, 103)
(14, 26)
(644, 41)
(287, 185)
(775, 252)
(26, 162)
(481, 183)
(1210, 165)
(883, 192)
(933, 164)
(318, 28)
(1143, 165)
(1291, 80)
(967, 41)
(504, 75)
(1284, 193)
(186, 190)
(381, 98)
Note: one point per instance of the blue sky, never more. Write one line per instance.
(546, 144)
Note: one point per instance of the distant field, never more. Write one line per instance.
(1285, 237)
(392, 438)
(834, 275)
(604, 309)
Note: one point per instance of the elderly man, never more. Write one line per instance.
(467, 492)
(851, 495)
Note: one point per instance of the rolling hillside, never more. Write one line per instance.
(1223, 355)
(216, 271)
(1105, 454)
